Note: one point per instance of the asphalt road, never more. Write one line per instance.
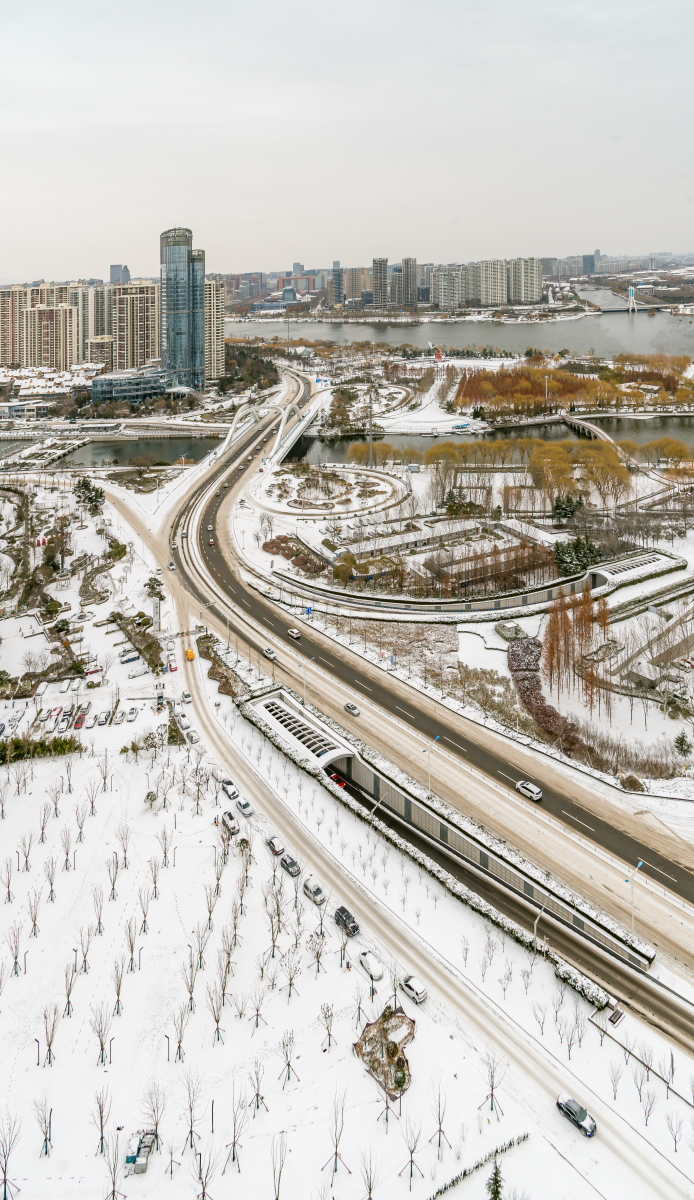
(621, 845)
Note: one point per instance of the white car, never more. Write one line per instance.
(352, 710)
(193, 737)
(119, 717)
(244, 808)
(314, 891)
(90, 721)
(294, 633)
(531, 790)
(230, 823)
(132, 714)
(184, 722)
(414, 989)
(269, 653)
(275, 845)
(172, 566)
(64, 725)
(230, 789)
(371, 965)
(104, 716)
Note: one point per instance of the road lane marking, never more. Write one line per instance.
(362, 685)
(572, 818)
(325, 660)
(508, 777)
(647, 864)
(407, 714)
(450, 743)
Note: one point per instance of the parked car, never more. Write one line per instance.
(230, 823)
(290, 865)
(372, 966)
(65, 685)
(76, 685)
(414, 989)
(143, 669)
(173, 665)
(104, 716)
(183, 722)
(275, 845)
(230, 789)
(186, 698)
(91, 721)
(345, 920)
(531, 790)
(119, 717)
(64, 725)
(269, 653)
(244, 808)
(294, 633)
(352, 709)
(131, 657)
(2, 728)
(132, 714)
(314, 891)
(577, 1114)
(193, 737)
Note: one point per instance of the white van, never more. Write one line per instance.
(143, 670)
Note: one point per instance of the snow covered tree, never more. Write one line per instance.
(495, 1183)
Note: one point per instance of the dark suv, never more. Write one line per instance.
(345, 920)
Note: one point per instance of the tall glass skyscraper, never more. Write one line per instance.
(183, 308)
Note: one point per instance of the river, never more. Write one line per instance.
(606, 335)
(119, 453)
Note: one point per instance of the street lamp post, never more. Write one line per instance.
(631, 881)
(537, 918)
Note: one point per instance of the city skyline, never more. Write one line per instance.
(520, 132)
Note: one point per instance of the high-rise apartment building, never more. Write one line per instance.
(135, 324)
(119, 273)
(100, 350)
(588, 264)
(48, 335)
(379, 285)
(409, 282)
(298, 268)
(354, 282)
(183, 307)
(338, 286)
(396, 286)
(448, 286)
(524, 280)
(215, 299)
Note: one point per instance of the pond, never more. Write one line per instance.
(121, 452)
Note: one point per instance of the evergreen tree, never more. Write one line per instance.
(683, 745)
(495, 1183)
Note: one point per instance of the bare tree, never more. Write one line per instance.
(33, 904)
(214, 1004)
(86, 936)
(615, 1072)
(98, 898)
(201, 936)
(648, 1103)
(153, 1106)
(411, 1134)
(203, 1169)
(51, 1017)
(123, 834)
(192, 1086)
(180, 1020)
(100, 1116)
(44, 818)
(287, 1054)
(12, 939)
(10, 1129)
(674, 1123)
(80, 817)
(600, 1021)
(49, 869)
(154, 872)
(239, 1121)
(210, 900)
(257, 999)
(189, 972)
(66, 843)
(91, 787)
(130, 928)
(291, 965)
(26, 841)
(370, 1173)
(646, 1056)
(54, 791)
(438, 1108)
(257, 1082)
(100, 1022)
(638, 1074)
(117, 972)
(145, 897)
(495, 1070)
(112, 1160)
(326, 1018)
(165, 838)
(337, 1127)
(279, 1154)
(42, 1112)
(6, 880)
(70, 980)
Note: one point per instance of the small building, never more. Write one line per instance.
(641, 674)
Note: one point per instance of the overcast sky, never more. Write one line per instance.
(316, 130)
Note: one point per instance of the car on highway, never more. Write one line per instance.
(226, 485)
(90, 721)
(104, 716)
(336, 779)
(530, 790)
(345, 920)
(577, 1114)
(184, 533)
(183, 722)
(230, 823)
(369, 963)
(172, 566)
(244, 808)
(218, 493)
(290, 865)
(269, 653)
(274, 844)
(119, 717)
(132, 713)
(352, 709)
(193, 737)
(294, 633)
(414, 989)
(209, 528)
(314, 891)
(230, 789)
(174, 545)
